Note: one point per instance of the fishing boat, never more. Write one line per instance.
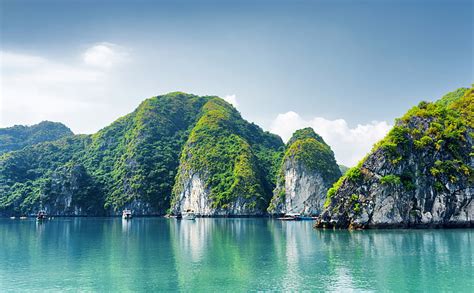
(126, 214)
(291, 217)
(41, 216)
(189, 215)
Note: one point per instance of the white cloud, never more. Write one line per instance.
(232, 99)
(35, 88)
(104, 55)
(349, 144)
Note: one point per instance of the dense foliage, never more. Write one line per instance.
(439, 131)
(131, 162)
(236, 158)
(134, 161)
(19, 136)
(308, 149)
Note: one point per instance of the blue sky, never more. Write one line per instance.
(347, 68)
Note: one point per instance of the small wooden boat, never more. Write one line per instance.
(291, 217)
(189, 215)
(41, 216)
(126, 214)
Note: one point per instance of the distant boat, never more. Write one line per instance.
(41, 216)
(308, 218)
(189, 215)
(126, 214)
(23, 218)
(291, 217)
(13, 218)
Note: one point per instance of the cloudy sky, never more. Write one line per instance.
(346, 68)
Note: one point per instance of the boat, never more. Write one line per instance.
(189, 215)
(291, 217)
(126, 214)
(308, 218)
(23, 217)
(13, 218)
(41, 216)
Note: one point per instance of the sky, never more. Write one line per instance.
(345, 68)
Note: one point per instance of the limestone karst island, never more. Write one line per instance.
(180, 152)
(236, 146)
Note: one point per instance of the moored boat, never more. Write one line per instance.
(291, 217)
(126, 214)
(189, 215)
(41, 216)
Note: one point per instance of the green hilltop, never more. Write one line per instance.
(134, 161)
(19, 136)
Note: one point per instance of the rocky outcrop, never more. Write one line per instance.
(226, 166)
(69, 191)
(420, 175)
(308, 170)
(197, 198)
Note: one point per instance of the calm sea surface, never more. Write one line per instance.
(152, 254)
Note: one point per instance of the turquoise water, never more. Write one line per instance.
(151, 254)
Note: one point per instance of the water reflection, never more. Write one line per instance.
(149, 254)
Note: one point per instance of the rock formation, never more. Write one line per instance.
(307, 171)
(420, 175)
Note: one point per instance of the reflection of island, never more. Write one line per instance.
(126, 225)
(293, 244)
(385, 259)
(218, 253)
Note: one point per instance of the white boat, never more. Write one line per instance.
(189, 215)
(126, 214)
(291, 217)
(41, 216)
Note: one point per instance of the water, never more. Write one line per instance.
(151, 254)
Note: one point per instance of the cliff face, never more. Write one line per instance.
(307, 171)
(227, 165)
(420, 175)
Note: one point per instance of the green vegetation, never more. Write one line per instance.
(390, 180)
(309, 149)
(236, 158)
(18, 136)
(136, 158)
(438, 129)
(343, 169)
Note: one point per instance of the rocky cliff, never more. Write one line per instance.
(420, 175)
(307, 171)
(227, 165)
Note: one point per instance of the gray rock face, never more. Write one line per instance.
(195, 196)
(301, 192)
(307, 171)
(418, 194)
(69, 194)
